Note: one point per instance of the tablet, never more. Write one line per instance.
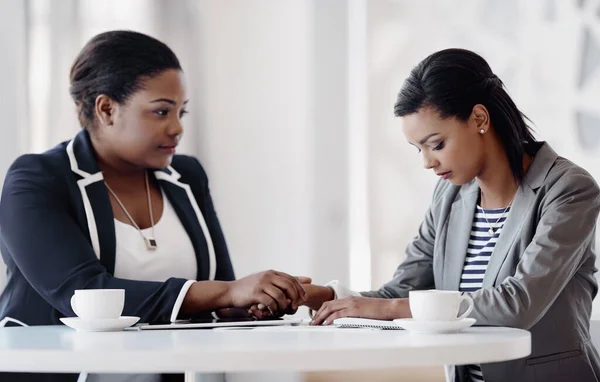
(217, 323)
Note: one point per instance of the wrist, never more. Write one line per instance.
(317, 295)
(224, 297)
(324, 293)
(399, 308)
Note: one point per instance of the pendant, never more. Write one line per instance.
(151, 243)
(491, 231)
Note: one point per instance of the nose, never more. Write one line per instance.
(429, 161)
(175, 128)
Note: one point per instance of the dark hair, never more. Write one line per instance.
(114, 63)
(452, 82)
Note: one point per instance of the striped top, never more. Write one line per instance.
(479, 251)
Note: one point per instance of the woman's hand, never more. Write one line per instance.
(276, 291)
(362, 307)
(316, 295)
(261, 312)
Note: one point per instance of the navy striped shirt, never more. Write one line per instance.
(479, 251)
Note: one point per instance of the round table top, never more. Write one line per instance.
(302, 348)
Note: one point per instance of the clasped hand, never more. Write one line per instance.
(269, 293)
(328, 309)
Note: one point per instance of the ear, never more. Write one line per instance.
(105, 109)
(481, 118)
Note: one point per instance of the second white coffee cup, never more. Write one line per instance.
(438, 305)
(98, 303)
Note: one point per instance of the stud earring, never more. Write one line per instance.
(481, 131)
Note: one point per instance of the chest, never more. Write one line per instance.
(174, 255)
(142, 206)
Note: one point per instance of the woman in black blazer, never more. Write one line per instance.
(57, 229)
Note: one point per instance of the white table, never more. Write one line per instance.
(61, 349)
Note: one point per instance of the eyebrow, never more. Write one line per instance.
(168, 101)
(422, 141)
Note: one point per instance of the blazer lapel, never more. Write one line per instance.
(457, 237)
(534, 178)
(512, 225)
(188, 211)
(97, 211)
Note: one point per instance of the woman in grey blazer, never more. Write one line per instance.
(511, 223)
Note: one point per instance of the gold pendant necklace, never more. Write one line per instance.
(149, 240)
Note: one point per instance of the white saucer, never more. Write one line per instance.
(416, 326)
(99, 325)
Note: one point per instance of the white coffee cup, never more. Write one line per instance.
(98, 303)
(438, 305)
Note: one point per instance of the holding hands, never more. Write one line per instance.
(268, 293)
(322, 299)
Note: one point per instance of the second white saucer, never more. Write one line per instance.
(100, 325)
(419, 326)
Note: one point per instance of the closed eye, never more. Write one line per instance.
(439, 146)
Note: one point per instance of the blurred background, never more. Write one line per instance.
(292, 106)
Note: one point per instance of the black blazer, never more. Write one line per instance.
(57, 235)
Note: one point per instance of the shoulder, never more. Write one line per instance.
(46, 167)
(565, 179)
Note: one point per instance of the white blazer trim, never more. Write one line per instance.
(73, 160)
(180, 298)
(83, 183)
(89, 212)
(173, 178)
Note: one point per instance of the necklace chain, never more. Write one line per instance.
(492, 229)
(150, 241)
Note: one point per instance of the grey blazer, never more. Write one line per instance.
(540, 276)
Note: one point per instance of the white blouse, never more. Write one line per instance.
(174, 257)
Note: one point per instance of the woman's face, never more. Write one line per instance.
(145, 130)
(453, 149)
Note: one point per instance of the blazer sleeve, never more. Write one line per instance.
(55, 255)
(564, 235)
(201, 192)
(416, 271)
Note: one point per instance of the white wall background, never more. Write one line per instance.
(274, 132)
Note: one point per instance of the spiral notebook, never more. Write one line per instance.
(350, 322)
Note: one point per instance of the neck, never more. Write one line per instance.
(496, 181)
(115, 169)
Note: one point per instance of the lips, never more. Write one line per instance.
(444, 175)
(168, 148)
